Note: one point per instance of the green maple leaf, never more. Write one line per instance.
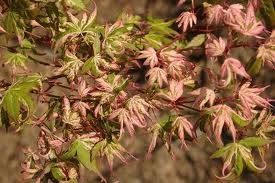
(77, 27)
(16, 59)
(240, 154)
(160, 26)
(14, 24)
(17, 96)
(86, 153)
(93, 64)
(160, 32)
(71, 66)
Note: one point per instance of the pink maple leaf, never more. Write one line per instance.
(234, 14)
(215, 14)
(175, 91)
(151, 57)
(82, 89)
(222, 116)
(158, 75)
(171, 56)
(186, 19)
(267, 55)
(138, 107)
(102, 85)
(204, 95)
(182, 125)
(250, 98)
(247, 24)
(126, 119)
(215, 47)
(232, 66)
(82, 107)
(266, 52)
(176, 69)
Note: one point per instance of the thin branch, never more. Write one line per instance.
(31, 34)
(52, 84)
(53, 77)
(188, 107)
(43, 63)
(45, 129)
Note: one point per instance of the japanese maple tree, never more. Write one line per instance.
(99, 84)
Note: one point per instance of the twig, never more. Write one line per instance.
(191, 108)
(43, 63)
(32, 34)
(46, 129)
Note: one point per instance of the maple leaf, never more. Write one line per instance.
(247, 24)
(204, 95)
(196, 41)
(70, 117)
(215, 47)
(110, 83)
(28, 167)
(151, 57)
(250, 98)
(176, 69)
(109, 88)
(182, 125)
(215, 14)
(83, 90)
(234, 14)
(175, 91)
(222, 116)
(266, 124)
(161, 28)
(82, 107)
(126, 119)
(241, 152)
(186, 19)
(70, 67)
(16, 59)
(105, 97)
(111, 149)
(77, 28)
(138, 107)
(17, 96)
(13, 23)
(157, 75)
(116, 39)
(156, 129)
(266, 52)
(93, 65)
(232, 66)
(267, 55)
(171, 56)
(85, 149)
(103, 85)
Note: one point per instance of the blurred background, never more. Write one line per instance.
(190, 166)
